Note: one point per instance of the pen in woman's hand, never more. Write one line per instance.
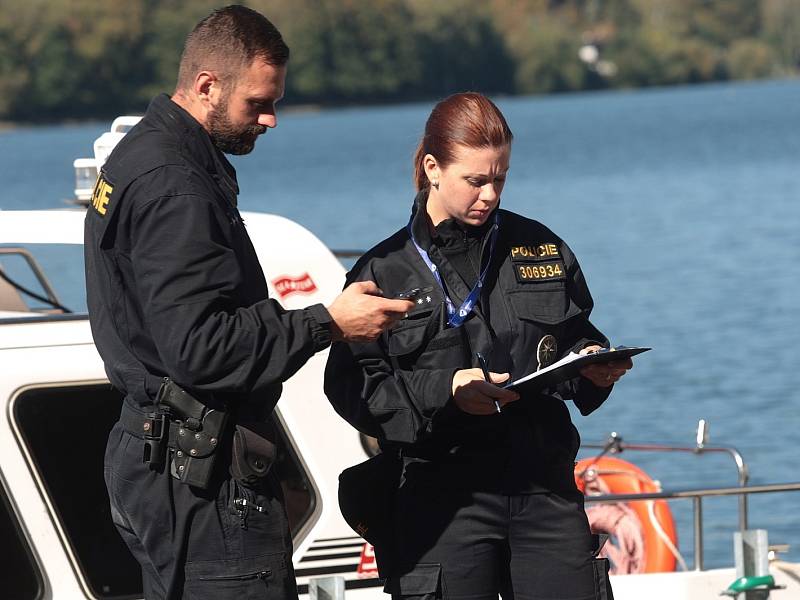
(486, 376)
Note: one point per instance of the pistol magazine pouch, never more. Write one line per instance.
(254, 452)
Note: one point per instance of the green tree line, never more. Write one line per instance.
(64, 59)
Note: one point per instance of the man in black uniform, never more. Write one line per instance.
(179, 311)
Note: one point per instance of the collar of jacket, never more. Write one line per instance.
(193, 139)
(450, 234)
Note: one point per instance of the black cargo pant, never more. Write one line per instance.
(197, 544)
(466, 545)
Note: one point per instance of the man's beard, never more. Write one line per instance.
(229, 138)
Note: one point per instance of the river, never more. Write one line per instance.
(682, 205)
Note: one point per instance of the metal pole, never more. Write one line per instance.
(744, 476)
(743, 512)
(698, 533)
(326, 588)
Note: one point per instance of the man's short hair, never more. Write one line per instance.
(228, 40)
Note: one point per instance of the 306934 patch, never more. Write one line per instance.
(540, 271)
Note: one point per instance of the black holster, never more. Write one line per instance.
(197, 432)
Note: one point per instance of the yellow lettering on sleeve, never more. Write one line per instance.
(101, 195)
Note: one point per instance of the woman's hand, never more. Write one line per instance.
(476, 396)
(605, 375)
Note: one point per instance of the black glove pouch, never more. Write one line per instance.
(254, 452)
(601, 566)
(601, 579)
(366, 499)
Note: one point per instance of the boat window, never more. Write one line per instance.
(298, 492)
(65, 429)
(18, 573)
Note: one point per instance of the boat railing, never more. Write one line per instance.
(348, 256)
(14, 291)
(697, 496)
(616, 445)
(347, 253)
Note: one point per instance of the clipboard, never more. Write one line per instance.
(569, 367)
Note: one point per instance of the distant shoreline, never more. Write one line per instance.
(318, 107)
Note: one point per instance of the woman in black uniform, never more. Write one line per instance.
(487, 503)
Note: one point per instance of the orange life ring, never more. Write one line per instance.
(642, 533)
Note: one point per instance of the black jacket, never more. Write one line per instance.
(399, 388)
(174, 285)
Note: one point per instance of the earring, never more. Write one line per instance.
(435, 183)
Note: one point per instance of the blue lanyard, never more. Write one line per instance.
(457, 317)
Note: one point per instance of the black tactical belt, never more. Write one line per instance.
(136, 421)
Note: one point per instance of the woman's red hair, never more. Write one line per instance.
(467, 119)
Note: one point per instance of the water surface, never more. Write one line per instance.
(681, 205)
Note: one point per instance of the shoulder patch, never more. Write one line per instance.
(543, 251)
(534, 272)
(101, 195)
(537, 262)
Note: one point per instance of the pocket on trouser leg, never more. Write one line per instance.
(260, 577)
(423, 582)
(602, 582)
